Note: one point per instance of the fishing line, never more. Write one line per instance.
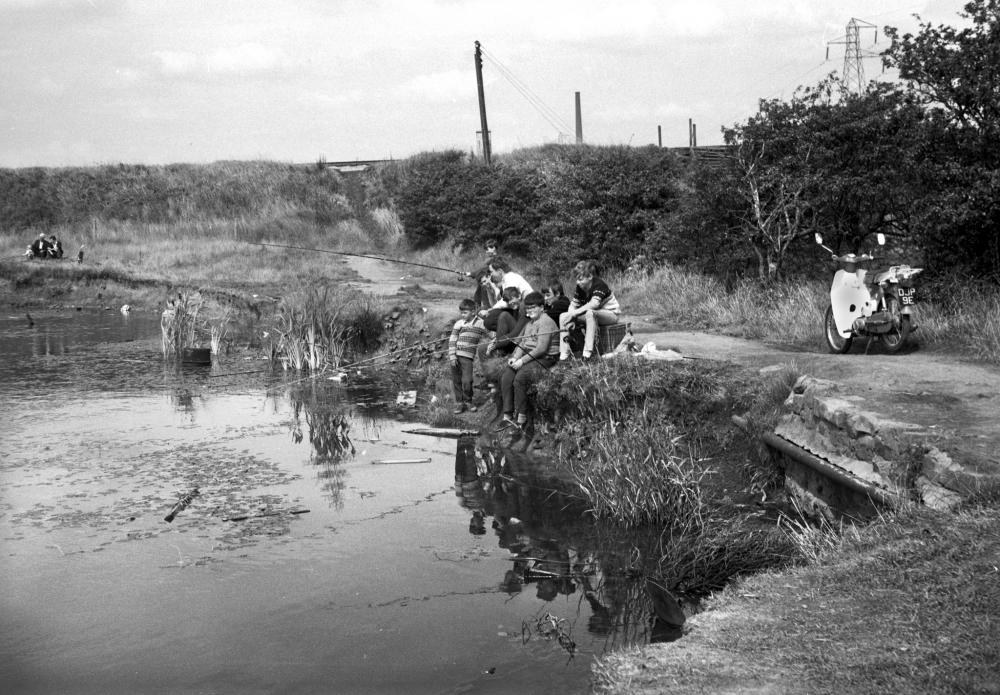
(362, 255)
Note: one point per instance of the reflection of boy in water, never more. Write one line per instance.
(468, 486)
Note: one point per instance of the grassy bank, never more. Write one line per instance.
(904, 605)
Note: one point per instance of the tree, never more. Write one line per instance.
(816, 163)
(954, 74)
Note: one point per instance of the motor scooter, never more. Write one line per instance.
(866, 303)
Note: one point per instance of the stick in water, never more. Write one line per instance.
(181, 505)
(276, 512)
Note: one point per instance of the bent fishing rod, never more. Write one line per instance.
(364, 255)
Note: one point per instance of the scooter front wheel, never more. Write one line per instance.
(837, 343)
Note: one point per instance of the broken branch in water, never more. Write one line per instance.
(276, 512)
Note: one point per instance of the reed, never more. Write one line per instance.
(179, 323)
(638, 475)
(317, 327)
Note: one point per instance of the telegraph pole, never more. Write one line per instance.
(579, 121)
(482, 106)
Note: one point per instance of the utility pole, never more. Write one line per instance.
(854, 70)
(659, 135)
(482, 106)
(579, 121)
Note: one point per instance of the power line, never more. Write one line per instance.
(544, 109)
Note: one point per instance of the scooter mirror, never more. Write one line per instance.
(880, 237)
(819, 238)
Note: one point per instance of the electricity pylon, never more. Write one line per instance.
(854, 69)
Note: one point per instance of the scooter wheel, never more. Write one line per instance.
(837, 343)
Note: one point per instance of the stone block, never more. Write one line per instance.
(936, 496)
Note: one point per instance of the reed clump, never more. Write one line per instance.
(644, 439)
(319, 327)
(180, 324)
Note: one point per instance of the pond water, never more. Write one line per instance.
(326, 549)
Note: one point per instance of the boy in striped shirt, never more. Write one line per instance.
(466, 335)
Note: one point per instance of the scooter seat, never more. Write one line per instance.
(876, 276)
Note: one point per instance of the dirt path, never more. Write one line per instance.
(957, 402)
(385, 278)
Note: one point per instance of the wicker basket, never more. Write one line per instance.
(608, 337)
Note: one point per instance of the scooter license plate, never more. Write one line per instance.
(906, 295)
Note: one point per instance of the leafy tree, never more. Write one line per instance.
(954, 74)
(819, 163)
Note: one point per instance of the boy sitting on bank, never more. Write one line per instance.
(595, 302)
(535, 353)
(466, 335)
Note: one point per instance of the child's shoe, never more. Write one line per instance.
(506, 423)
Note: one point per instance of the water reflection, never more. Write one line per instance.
(556, 549)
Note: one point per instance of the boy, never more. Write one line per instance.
(536, 351)
(466, 335)
(556, 301)
(593, 300)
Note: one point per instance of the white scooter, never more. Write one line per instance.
(869, 304)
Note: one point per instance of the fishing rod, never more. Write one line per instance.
(364, 255)
(391, 353)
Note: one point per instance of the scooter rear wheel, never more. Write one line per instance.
(837, 343)
(896, 337)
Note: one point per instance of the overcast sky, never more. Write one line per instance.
(86, 82)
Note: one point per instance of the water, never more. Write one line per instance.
(463, 573)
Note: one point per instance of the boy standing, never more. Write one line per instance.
(466, 335)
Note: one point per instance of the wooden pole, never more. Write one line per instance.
(579, 121)
(482, 106)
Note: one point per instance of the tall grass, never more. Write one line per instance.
(317, 326)
(637, 475)
(965, 320)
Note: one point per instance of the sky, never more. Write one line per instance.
(91, 82)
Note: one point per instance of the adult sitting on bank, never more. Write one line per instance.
(55, 249)
(39, 247)
(503, 277)
(592, 300)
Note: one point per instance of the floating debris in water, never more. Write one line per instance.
(273, 512)
(181, 505)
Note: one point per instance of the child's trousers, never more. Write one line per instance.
(462, 380)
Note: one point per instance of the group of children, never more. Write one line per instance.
(518, 333)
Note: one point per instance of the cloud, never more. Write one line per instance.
(247, 58)
(440, 86)
(346, 98)
(176, 62)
